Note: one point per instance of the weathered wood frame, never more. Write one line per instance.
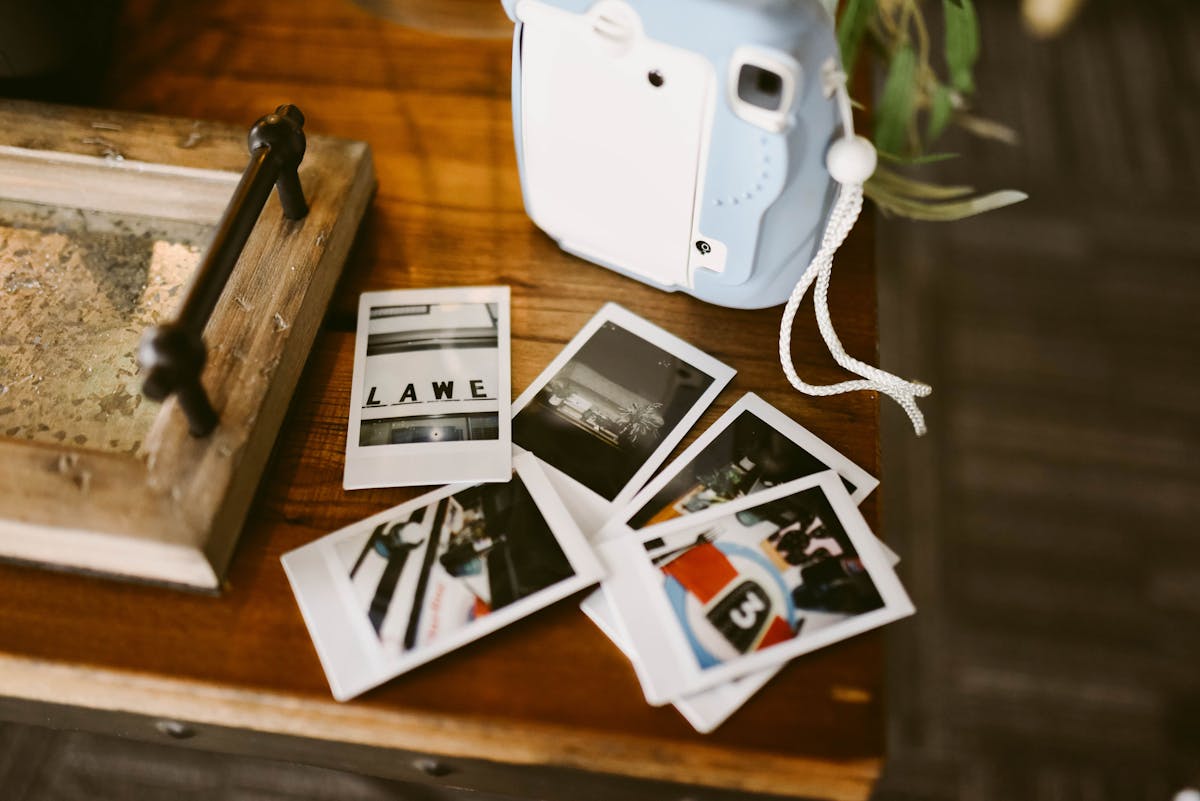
(173, 514)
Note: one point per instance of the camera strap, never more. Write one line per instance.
(851, 160)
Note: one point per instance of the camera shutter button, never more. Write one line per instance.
(616, 22)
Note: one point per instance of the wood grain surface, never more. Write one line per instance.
(550, 689)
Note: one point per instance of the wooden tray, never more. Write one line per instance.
(103, 216)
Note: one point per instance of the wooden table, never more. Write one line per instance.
(525, 711)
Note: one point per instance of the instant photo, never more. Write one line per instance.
(405, 586)
(752, 447)
(704, 710)
(609, 409)
(747, 585)
(430, 399)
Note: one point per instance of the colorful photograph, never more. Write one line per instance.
(741, 588)
(439, 568)
(751, 448)
(403, 587)
(764, 575)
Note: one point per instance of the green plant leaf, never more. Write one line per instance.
(897, 102)
(903, 186)
(962, 43)
(891, 203)
(850, 29)
(915, 161)
(987, 129)
(941, 106)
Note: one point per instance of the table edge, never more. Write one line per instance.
(535, 744)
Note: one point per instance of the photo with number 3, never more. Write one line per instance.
(748, 585)
(764, 575)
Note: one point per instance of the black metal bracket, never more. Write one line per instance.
(172, 355)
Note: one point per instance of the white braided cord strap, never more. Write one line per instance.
(845, 213)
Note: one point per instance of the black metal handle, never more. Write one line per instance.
(172, 355)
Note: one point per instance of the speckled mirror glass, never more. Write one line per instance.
(79, 287)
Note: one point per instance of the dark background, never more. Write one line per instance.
(1048, 522)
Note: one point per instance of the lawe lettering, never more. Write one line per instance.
(438, 391)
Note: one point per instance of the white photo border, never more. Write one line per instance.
(864, 483)
(708, 709)
(351, 654)
(425, 463)
(720, 373)
(705, 710)
(634, 586)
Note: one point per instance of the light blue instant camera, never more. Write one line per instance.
(681, 142)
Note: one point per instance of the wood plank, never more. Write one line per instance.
(467, 737)
(115, 185)
(134, 756)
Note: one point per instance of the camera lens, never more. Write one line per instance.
(760, 87)
(655, 77)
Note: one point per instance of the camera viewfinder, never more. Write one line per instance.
(760, 87)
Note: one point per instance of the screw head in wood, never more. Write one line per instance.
(175, 730)
(431, 767)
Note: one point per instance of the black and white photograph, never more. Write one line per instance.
(407, 585)
(430, 399)
(610, 407)
(748, 585)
